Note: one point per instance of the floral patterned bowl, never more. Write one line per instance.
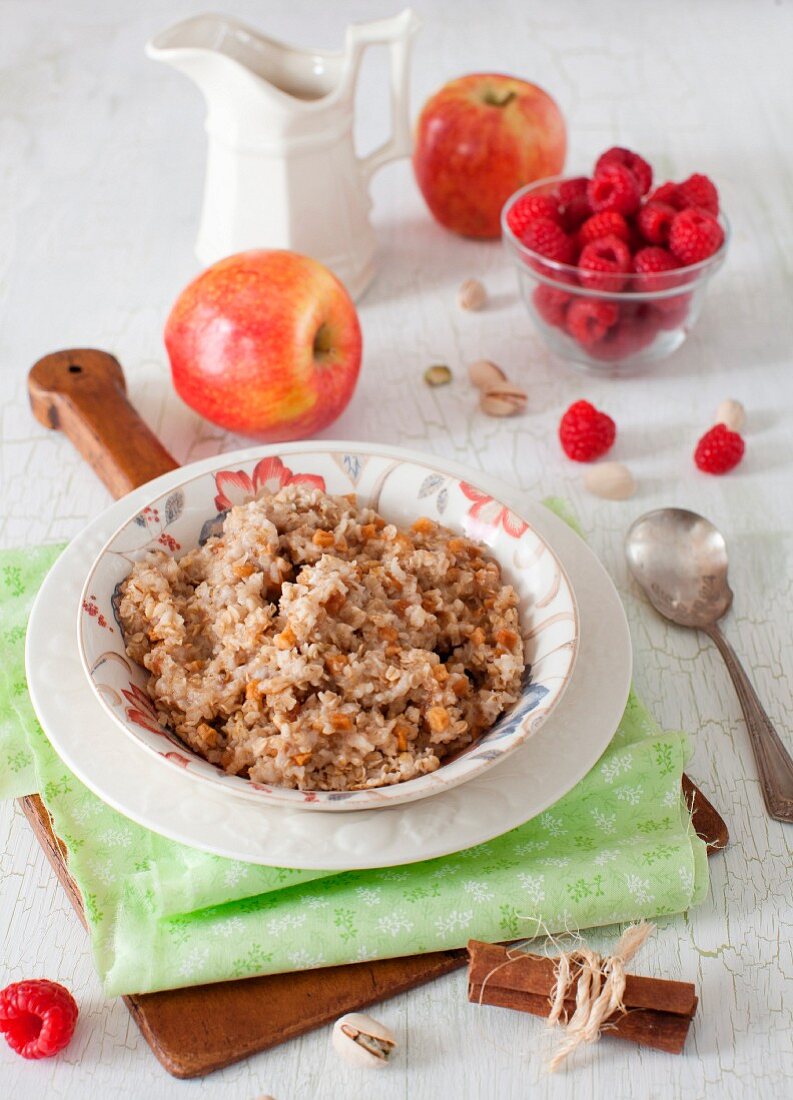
(401, 488)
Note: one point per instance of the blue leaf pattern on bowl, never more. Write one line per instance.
(213, 528)
(430, 485)
(174, 506)
(353, 465)
(532, 698)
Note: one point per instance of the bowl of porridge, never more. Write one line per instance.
(328, 627)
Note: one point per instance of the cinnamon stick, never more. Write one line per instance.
(658, 1011)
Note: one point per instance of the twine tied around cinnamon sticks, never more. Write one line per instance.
(585, 993)
(599, 990)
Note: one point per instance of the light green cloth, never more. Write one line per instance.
(619, 846)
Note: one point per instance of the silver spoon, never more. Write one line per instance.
(680, 560)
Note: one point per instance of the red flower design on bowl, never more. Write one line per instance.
(488, 514)
(269, 475)
(139, 710)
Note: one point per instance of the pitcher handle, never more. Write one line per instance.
(397, 33)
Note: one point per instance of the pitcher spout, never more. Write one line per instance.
(197, 33)
(227, 59)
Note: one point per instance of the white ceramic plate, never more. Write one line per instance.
(177, 519)
(533, 778)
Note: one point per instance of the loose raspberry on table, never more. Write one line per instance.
(549, 240)
(529, 207)
(655, 220)
(699, 191)
(37, 1017)
(604, 264)
(588, 320)
(668, 193)
(694, 236)
(719, 450)
(614, 188)
(586, 433)
(551, 304)
(630, 160)
(608, 223)
(652, 262)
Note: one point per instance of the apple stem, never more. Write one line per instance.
(323, 342)
(499, 99)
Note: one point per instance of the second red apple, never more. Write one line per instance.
(478, 140)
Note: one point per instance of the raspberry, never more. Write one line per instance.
(694, 235)
(575, 202)
(655, 220)
(699, 191)
(673, 311)
(650, 262)
(653, 259)
(588, 320)
(575, 213)
(719, 450)
(529, 207)
(635, 240)
(614, 188)
(607, 224)
(37, 1017)
(668, 193)
(574, 188)
(630, 160)
(604, 264)
(634, 332)
(549, 240)
(551, 304)
(586, 433)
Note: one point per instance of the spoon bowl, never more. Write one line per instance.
(680, 560)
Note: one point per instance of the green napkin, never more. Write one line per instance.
(618, 847)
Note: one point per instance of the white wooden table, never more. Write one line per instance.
(101, 159)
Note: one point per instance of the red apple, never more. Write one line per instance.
(266, 343)
(478, 140)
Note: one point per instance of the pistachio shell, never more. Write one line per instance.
(732, 414)
(610, 480)
(503, 399)
(362, 1041)
(483, 373)
(471, 295)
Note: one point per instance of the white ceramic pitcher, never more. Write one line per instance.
(282, 171)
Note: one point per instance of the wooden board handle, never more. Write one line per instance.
(82, 392)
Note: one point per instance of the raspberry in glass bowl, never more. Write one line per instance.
(603, 286)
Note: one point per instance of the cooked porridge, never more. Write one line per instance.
(314, 645)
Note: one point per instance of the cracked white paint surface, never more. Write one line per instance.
(101, 156)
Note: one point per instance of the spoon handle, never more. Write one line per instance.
(774, 763)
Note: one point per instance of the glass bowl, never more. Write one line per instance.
(609, 332)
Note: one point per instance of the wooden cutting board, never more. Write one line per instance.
(203, 1028)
